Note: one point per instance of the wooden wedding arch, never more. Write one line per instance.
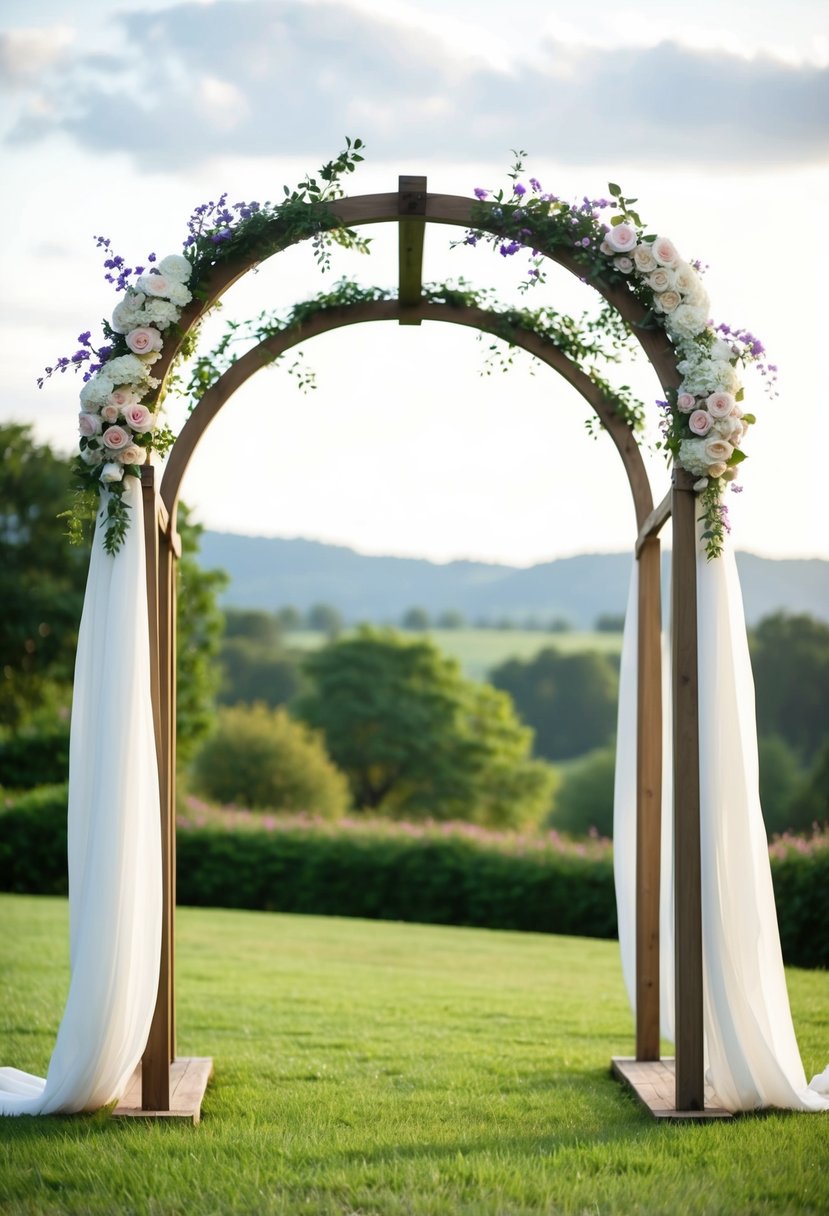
(171, 1086)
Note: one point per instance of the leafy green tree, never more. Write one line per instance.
(569, 700)
(790, 660)
(262, 758)
(199, 623)
(450, 618)
(417, 739)
(251, 673)
(253, 625)
(289, 618)
(585, 800)
(42, 578)
(416, 619)
(810, 804)
(610, 622)
(324, 618)
(780, 780)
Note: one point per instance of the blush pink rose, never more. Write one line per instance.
(144, 340)
(139, 418)
(623, 263)
(116, 437)
(122, 397)
(700, 422)
(155, 285)
(720, 405)
(89, 424)
(686, 402)
(664, 251)
(622, 238)
(109, 413)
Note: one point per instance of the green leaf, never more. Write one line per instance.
(736, 457)
(616, 219)
(615, 190)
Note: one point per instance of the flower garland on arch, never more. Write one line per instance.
(704, 423)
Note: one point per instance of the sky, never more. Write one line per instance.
(117, 119)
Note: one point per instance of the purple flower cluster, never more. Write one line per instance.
(118, 272)
(215, 220)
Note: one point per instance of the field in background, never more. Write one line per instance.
(479, 650)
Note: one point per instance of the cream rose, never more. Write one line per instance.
(144, 340)
(720, 405)
(686, 402)
(717, 450)
(122, 397)
(664, 251)
(116, 437)
(89, 424)
(175, 266)
(623, 263)
(112, 472)
(661, 279)
(110, 413)
(717, 470)
(730, 429)
(643, 259)
(155, 284)
(621, 238)
(131, 454)
(700, 422)
(667, 301)
(139, 418)
(686, 321)
(686, 278)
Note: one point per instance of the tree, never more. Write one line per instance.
(780, 779)
(323, 618)
(790, 660)
(416, 620)
(289, 618)
(261, 758)
(253, 625)
(417, 739)
(585, 800)
(199, 624)
(610, 622)
(251, 673)
(570, 700)
(42, 577)
(450, 618)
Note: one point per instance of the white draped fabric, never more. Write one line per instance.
(750, 1046)
(114, 846)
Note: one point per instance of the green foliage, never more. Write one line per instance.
(381, 870)
(610, 622)
(253, 625)
(38, 754)
(252, 673)
(780, 779)
(790, 660)
(416, 739)
(324, 618)
(810, 804)
(41, 577)
(416, 619)
(569, 700)
(200, 625)
(262, 758)
(585, 800)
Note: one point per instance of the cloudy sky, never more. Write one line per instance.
(119, 118)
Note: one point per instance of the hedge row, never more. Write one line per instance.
(390, 875)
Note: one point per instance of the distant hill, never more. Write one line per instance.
(269, 572)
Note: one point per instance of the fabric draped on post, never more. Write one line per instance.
(114, 846)
(751, 1053)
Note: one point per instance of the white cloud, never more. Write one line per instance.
(25, 54)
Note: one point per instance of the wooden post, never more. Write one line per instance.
(155, 1064)
(690, 1081)
(648, 800)
(411, 231)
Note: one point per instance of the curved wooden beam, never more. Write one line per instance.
(453, 209)
(390, 310)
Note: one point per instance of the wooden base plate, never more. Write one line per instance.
(654, 1084)
(188, 1082)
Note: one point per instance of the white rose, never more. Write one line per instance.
(686, 321)
(154, 284)
(721, 350)
(667, 301)
(621, 238)
(665, 252)
(623, 263)
(175, 266)
(112, 472)
(686, 278)
(730, 429)
(643, 259)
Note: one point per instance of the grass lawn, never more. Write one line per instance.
(479, 650)
(374, 1069)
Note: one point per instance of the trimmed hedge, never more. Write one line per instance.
(392, 872)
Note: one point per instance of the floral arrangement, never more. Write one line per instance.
(119, 422)
(704, 423)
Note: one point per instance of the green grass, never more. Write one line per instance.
(479, 650)
(392, 1070)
